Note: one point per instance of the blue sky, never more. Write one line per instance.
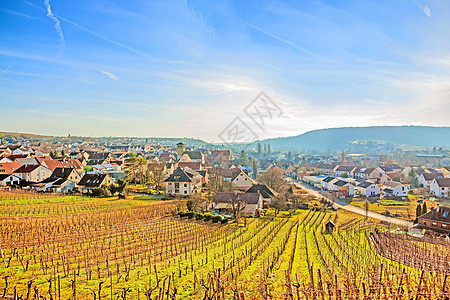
(188, 68)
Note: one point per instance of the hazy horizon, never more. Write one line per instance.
(189, 68)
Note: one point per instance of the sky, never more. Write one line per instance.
(182, 68)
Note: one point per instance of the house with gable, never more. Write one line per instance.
(440, 187)
(183, 182)
(368, 189)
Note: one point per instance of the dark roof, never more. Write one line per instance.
(180, 143)
(441, 215)
(263, 189)
(368, 170)
(340, 183)
(178, 176)
(194, 165)
(431, 176)
(194, 154)
(365, 184)
(230, 173)
(328, 179)
(62, 172)
(26, 168)
(92, 180)
(4, 176)
(226, 197)
(345, 168)
(443, 182)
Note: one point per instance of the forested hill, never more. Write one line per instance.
(350, 137)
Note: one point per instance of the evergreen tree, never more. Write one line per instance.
(259, 150)
(268, 149)
(289, 157)
(52, 155)
(424, 208)
(265, 149)
(243, 160)
(254, 168)
(418, 211)
(63, 153)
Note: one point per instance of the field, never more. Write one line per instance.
(80, 248)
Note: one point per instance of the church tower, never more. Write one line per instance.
(180, 149)
(343, 162)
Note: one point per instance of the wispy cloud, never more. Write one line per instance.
(292, 44)
(110, 75)
(17, 13)
(4, 71)
(426, 9)
(57, 25)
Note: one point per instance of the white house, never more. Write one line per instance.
(33, 173)
(368, 189)
(440, 187)
(328, 182)
(242, 181)
(425, 179)
(6, 179)
(398, 189)
(183, 182)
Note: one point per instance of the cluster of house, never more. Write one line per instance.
(23, 167)
(385, 180)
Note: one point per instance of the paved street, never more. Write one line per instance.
(355, 209)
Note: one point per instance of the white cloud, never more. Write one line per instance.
(110, 75)
(57, 25)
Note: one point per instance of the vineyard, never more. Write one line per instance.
(79, 248)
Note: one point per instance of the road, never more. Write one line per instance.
(355, 209)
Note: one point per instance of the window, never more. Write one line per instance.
(177, 185)
(445, 214)
(185, 192)
(185, 185)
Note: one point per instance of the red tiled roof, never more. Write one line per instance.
(52, 164)
(10, 167)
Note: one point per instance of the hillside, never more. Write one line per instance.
(361, 137)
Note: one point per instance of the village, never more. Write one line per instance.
(231, 183)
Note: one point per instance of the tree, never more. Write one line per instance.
(366, 208)
(254, 168)
(268, 150)
(273, 178)
(243, 160)
(265, 149)
(197, 203)
(131, 165)
(259, 150)
(63, 153)
(345, 175)
(141, 162)
(237, 206)
(412, 178)
(289, 157)
(155, 173)
(424, 208)
(418, 211)
(278, 203)
(121, 184)
(52, 155)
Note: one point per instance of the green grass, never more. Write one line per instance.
(392, 203)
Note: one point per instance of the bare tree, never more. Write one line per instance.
(237, 205)
(155, 172)
(273, 178)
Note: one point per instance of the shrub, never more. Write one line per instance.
(216, 219)
(189, 214)
(224, 221)
(207, 217)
